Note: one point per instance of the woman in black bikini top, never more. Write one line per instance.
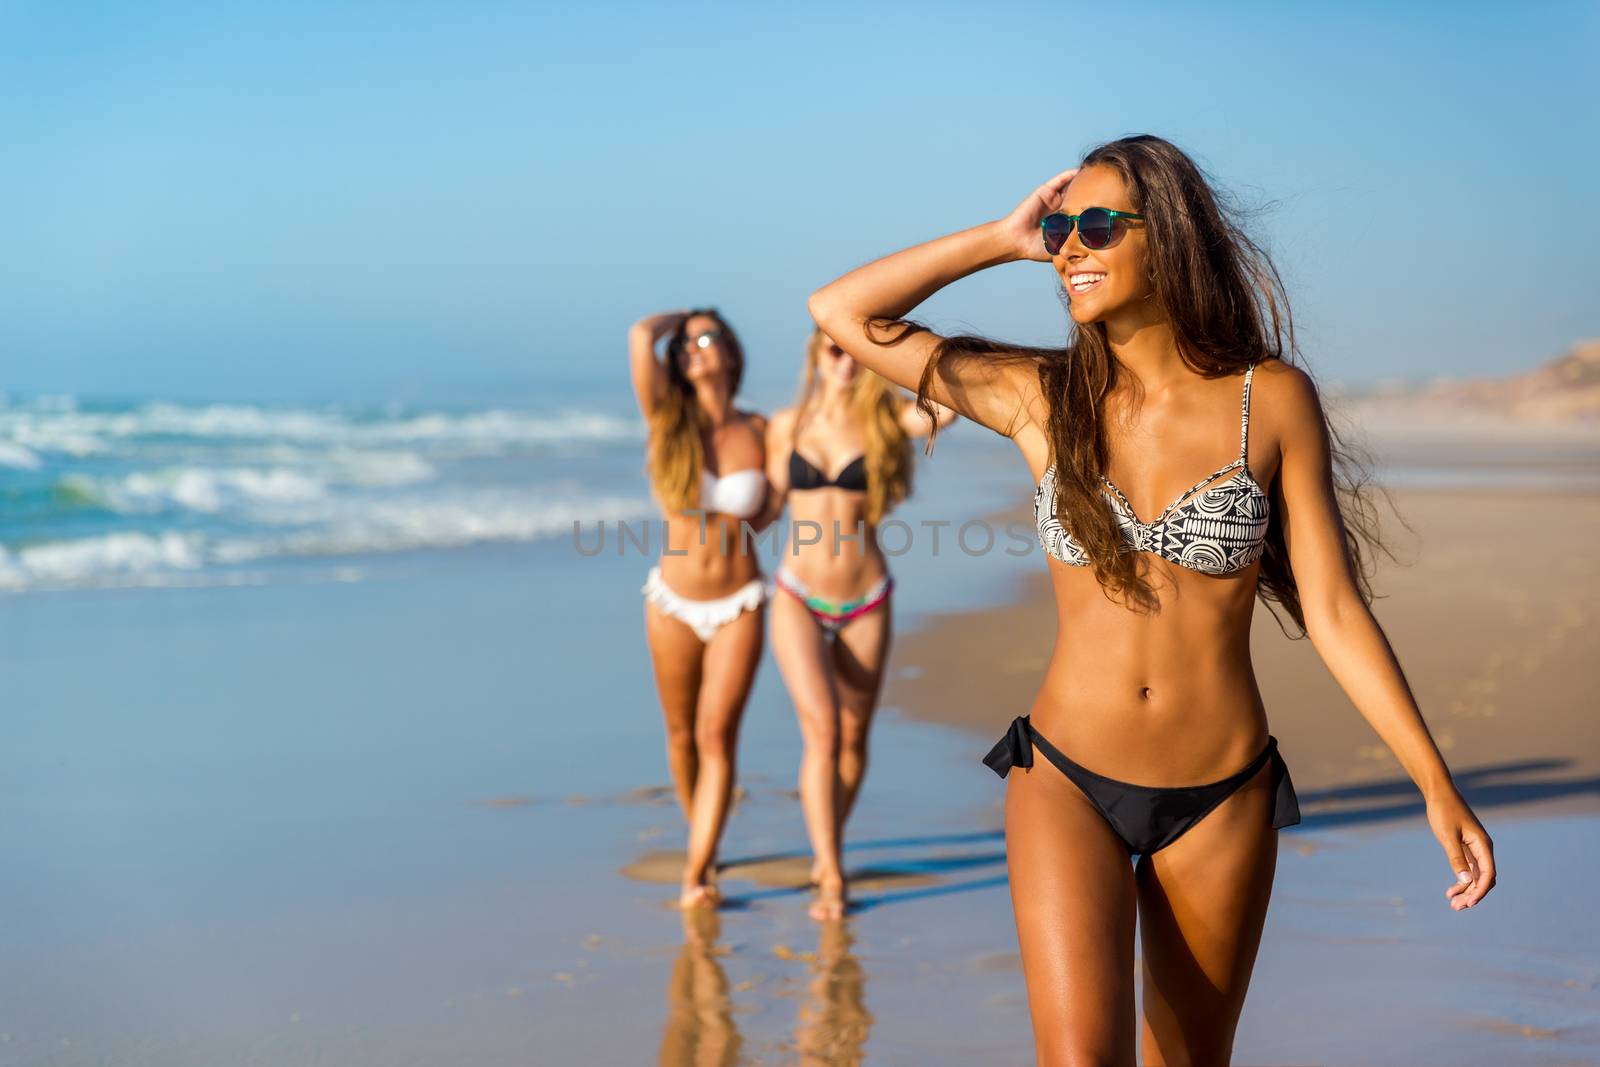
(831, 625)
(1178, 324)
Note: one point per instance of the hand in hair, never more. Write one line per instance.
(659, 325)
(863, 312)
(1022, 225)
(645, 367)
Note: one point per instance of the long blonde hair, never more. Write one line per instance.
(874, 405)
(677, 452)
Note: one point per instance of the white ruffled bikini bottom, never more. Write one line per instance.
(705, 617)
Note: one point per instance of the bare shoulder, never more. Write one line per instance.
(757, 420)
(781, 426)
(1282, 390)
(1277, 374)
(1286, 412)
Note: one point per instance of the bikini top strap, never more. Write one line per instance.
(1244, 417)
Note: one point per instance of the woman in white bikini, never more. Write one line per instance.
(842, 459)
(1148, 735)
(704, 600)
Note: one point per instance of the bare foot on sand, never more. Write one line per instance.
(698, 895)
(830, 903)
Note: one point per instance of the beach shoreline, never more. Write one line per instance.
(266, 853)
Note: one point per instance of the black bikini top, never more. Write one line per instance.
(803, 475)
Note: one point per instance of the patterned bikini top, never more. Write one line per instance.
(1222, 530)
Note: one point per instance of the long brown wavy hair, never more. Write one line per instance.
(677, 449)
(1228, 309)
(875, 406)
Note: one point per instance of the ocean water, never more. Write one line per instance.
(118, 495)
(96, 494)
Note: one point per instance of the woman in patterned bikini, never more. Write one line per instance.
(1176, 316)
(842, 459)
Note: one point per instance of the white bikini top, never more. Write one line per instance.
(737, 493)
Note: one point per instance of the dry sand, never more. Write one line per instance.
(1491, 607)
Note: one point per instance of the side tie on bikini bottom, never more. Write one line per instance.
(1146, 818)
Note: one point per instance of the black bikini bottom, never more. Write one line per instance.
(1145, 817)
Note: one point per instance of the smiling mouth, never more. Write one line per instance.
(1082, 283)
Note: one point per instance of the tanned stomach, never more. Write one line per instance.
(706, 571)
(1167, 699)
(834, 568)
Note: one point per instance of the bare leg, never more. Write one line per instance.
(728, 669)
(858, 658)
(1202, 905)
(857, 653)
(806, 664)
(1072, 890)
(675, 653)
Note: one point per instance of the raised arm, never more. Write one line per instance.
(992, 394)
(1349, 639)
(648, 372)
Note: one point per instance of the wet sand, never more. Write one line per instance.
(428, 846)
(1491, 608)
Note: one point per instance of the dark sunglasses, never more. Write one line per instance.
(1097, 227)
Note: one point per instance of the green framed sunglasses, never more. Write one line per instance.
(1097, 227)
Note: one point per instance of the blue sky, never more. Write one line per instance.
(414, 201)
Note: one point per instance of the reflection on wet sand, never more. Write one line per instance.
(700, 1031)
(832, 1024)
